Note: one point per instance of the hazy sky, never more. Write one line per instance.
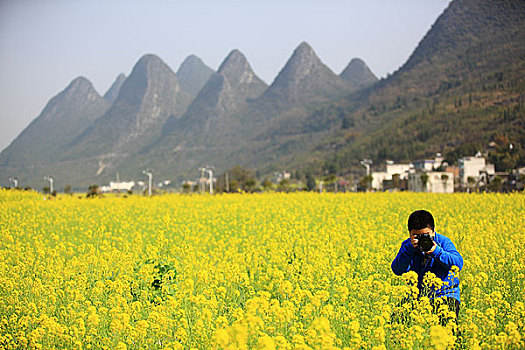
(44, 44)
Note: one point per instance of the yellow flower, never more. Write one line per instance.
(514, 336)
(441, 338)
(121, 346)
(411, 278)
(237, 271)
(142, 328)
(266, 343)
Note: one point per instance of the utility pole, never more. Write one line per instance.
(227, 182)
(209, 170)
(201, 182)
(14, 180)
(149, 174)
(51, 180)
(210, 173)
(366, 163)
(514, 172)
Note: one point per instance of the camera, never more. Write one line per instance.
(425, 242)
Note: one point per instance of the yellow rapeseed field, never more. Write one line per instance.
(266, 271)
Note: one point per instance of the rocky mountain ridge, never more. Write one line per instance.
(460, 90)
(462, 86)
(154, 110)
(112, 94)
(358, 74)
(65, 116)
(303, 78)
(193, 74)
(148, 97)
(225, 93)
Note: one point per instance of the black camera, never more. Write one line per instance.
(425, 242)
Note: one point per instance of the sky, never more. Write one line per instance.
(45, 44)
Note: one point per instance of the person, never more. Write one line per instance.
(427, 251)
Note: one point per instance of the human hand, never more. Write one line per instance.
(414, 241)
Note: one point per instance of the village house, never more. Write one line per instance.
(379, 177)
(430, 164)
(119, 186)
(418, 176)
(475, 171)
(431, 181)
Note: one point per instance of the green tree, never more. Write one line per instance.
(330, 181)
(366, 182)
(267, 184)
(310, 182)
(234, 185)
(235, 179)
(496, 184)
(243, 178)
(444, 179)
(520, 182)
(93, 191)
(250, 185)
(506, 154)
(186, 187)
(284, 185)
(424, 181)
(470, 183)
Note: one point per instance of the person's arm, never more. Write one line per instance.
(447, 254)
(401, 263)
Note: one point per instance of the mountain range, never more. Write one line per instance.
(460, 89)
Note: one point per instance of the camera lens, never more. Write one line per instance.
(425, 242)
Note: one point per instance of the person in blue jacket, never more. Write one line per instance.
(426, 251)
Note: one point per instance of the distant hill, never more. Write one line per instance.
(461, 89)
(303, 80)
(225, 94)
(193, 74)
(62, 120)
(148, 97)
(112, 94)
(236, 115)
(357, 74)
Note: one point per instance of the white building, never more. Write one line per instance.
(429, 164)
(391, 169)
(280, 176)
(118, 186)
(436, 182)
(377, 179)
(401, 169)
(475, 167)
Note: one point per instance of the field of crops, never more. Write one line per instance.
(266, 271)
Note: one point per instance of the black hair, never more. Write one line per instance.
(420, 219)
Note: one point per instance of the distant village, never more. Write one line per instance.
(432, 175)
(472, 174)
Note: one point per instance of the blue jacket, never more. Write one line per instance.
(440, 262)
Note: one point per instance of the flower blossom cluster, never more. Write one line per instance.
(260, 271)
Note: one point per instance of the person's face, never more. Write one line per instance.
(415, 233)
